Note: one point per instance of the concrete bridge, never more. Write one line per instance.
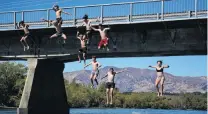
(137, 29)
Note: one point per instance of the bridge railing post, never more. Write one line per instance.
(131, 11)
(196, 8)
(74, 16)
(48, 17)
(23, 15)
(15, 16)
(101, 14)
(162, 9)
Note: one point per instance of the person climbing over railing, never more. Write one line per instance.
(25, 28)
(59, 32)
(59, 11)
(87, 24)
(81, 35)
(104, 38)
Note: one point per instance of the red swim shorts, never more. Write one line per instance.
(103, 42)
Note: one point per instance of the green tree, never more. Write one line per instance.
(12, 78)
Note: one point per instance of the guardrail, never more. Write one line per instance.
(129, 12)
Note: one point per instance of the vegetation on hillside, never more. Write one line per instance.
(82, 96)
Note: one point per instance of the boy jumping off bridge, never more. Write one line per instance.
(87, 24)
(104, 38)
(23, 40)
(58, 11)
(59, 32)
(95, 70)
(83, 39)
(110, 85)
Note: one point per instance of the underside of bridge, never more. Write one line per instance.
(46, 59)
(170, 38)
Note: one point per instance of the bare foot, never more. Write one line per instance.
(24, 48)
(158, 94)
(28, 47)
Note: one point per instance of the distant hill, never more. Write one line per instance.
(142, 80)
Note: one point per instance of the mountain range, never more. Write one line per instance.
(142, 80)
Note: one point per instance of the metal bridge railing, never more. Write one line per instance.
(131, 12)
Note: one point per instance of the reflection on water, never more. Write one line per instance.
(122, 111)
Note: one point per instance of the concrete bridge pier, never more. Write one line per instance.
(44, 91)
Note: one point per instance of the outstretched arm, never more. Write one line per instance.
(78, 38)
(87, 65)
(47, 20)
(104, 76)
(166, 66)
(121, 71)
(94, 29)
(106, 29)
(99, 65)
(152, 66)
(65, 12)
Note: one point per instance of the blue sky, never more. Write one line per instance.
(179, 65)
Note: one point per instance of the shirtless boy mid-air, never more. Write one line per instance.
(104, 38)
(110, 85)
(59, 32)
(95, 70)
(25, 27)
(87, 24)
(58, 14)
(83, 49)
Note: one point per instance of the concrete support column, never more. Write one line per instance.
(44, 91)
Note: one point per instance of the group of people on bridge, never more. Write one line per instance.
(84, 36)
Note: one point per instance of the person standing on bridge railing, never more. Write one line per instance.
(59, 32)
(104, 38)
(58, 14)
(25, 27)
(160, 77)
(87, 24)
(83, 50)
(95, 70)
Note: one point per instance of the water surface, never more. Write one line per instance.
(120, 111)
